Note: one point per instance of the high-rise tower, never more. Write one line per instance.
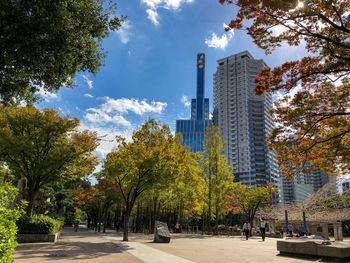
(244, 120)
(193, 130)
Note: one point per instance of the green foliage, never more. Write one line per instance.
(44, 43)
(219, 173)
(146, 165)
(38, 224)
(249, 200)
(44, 148)
(8, 229)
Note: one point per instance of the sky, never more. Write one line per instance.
(150, 66)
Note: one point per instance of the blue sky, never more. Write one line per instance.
(150, 67)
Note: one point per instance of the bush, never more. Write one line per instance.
(8, 229)
(38, 224)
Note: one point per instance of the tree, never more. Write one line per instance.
(313, 106)
(146, 163)
(186, 195)
(219, 173)
(248, 200)
(43, 43)
(42, 147)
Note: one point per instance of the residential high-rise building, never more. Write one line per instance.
(193, 130)
(244, 120)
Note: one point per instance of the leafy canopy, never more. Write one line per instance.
(42, 147)
(44, 43)
(313, 124)
(249, 200)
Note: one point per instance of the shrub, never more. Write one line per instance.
(38, 224)
(8, 229)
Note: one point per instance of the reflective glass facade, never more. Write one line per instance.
(193, 130)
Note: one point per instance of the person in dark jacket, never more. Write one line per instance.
(263, 225)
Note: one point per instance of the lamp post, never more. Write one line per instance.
(286, 221)
(304, 222)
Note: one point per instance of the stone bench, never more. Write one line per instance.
(314, 247)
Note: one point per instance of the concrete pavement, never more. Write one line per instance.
(88, 246)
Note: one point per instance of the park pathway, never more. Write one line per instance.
(88, 246)
(148, 254)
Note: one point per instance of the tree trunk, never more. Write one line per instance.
(105, 215)
(126, 222)
(216, 218)
(31, 199)
(209, 205)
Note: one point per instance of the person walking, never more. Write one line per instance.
(246, 229)
(263, 224)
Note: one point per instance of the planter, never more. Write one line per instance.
(37, 238)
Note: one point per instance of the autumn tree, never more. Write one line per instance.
(249, 200)
(219, 173)
(186, 194)
(43, 44)
(312, 111)
(41, 147)
(146, 163)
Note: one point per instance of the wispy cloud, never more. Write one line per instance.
(100, 116)
(215, 41)
(154, 5)
(185, 101)
(124, 33)
(88, 95)
(107, 137)
(153, 16)
(88, 81)
(46, 95)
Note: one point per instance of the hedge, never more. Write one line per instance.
(38, 224)
(8, 229)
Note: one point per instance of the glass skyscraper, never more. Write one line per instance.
(193, 130)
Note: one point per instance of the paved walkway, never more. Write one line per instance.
(88, 246)
(82, 246)
(147, 253)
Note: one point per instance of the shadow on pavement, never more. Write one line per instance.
(70, 247)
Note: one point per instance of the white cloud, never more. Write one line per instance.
(215, 41)
(153, 5)
(88, 95)
(124, 32)
(99, 116)
(136, 106)
(153, 16)
(88, 81)
(107, 137)
(185, 101)
(112, 111)
(46, 95)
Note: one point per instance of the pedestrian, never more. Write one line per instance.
(263, 225)
(246, 229)
(290, 230)
(177, 227)
(76, 225)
